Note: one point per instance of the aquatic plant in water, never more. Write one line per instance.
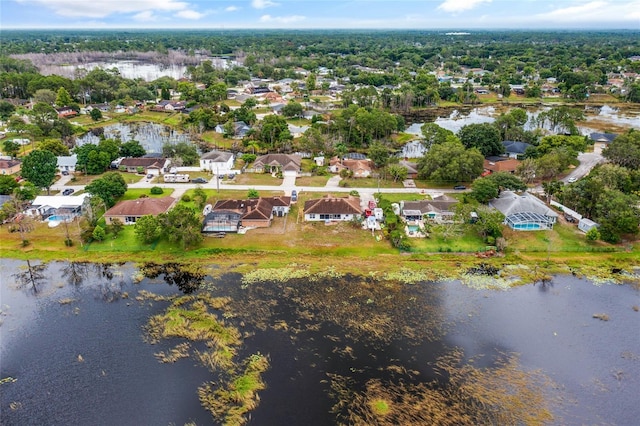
(466, 395)
(195, 318)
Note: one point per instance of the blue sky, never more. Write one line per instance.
(303, 14)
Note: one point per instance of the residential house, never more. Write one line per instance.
(129, 211)
(10, 167)
(170, 106)
(232, 215)
(289, 164)
(585, 225)
(58, 205)
(412, 168)
(439, 209)
(217, 162)
(515, 149)
(67, 163)
(330, 208)
(524, 212)
(66, 112)
(297, 131)
(500, 164)
(280, 205)
(154, 166)
(359, 168)
(240, 129)
(601, 141)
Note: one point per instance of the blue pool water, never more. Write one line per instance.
(526, 226)
(413, 228)
(56, 218)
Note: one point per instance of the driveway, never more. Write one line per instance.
(588, 160)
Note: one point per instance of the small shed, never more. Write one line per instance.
(585, 225)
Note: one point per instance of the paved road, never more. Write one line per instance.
(588, 160)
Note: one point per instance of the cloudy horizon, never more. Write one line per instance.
(330, 14)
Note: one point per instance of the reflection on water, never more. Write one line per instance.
(78, 352)
(152, 136)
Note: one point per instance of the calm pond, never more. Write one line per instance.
(74, 348)
(152, 136)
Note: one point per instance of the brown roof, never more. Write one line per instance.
(333, 205)
(280, 201)
(260, 210)
(283, 160)
(143, 162)
(141, 207)
(255, 208)
(509, 165)
(7, 164)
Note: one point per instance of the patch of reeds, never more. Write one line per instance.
(601, 317)
(174, 354)
(502, 394)
(232, 400)
(66, 301)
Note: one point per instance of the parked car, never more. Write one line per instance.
(68, 191)
(569, 218)
(65, 173)
(231, 176)
(572, 179)
(460, 187)
(294, 195)
(199, 180)
(149, 176)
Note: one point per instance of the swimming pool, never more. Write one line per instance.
(57, 218)
(413, 228)
(527, 226)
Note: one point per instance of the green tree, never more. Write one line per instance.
(95, 114)
(43, 116)
(618, 214)
(433, 134)
(7, 184)
(484, 136)
(99, 233)
(379, 154)
(253, 193)
(109, 187)
(484, 190)
(11, 148)
(451, 162)
(182, 225)
(397, 172)
(55, 146)
(132, 149)
(6, 109)
(186, 153)
(63, 98)
(292, 109)
(199, 197)
(593, 234)
(39, 168)
(148, 229)
(116, 226)
(311, 82)
(625, 150)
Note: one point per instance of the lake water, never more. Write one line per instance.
(152, 136)
(487, 114)
(78, 356)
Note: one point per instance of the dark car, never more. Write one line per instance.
(68, 191)
(294, 195)
(199, 180)
(65, 173)
(460, 187)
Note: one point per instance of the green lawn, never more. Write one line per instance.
(468, 241)
(315, 181)
(563, 238)
(396, 198)
(371, 183)
(135, 193)
(257, 179)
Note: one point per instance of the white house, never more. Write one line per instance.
(49, 205)
(331, 208)
(67, 163)
(217, 162)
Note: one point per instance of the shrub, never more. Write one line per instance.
(354, 193)
(344, 184)
(68, 242)
(98, 233)
(186, 198)
(593, 234)
(156, 190)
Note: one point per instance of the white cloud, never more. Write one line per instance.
(103, 8)
(144, 16)
(189, 14)
(454, 6)
(594, 12)
(231, 9)
(263, 4)
(282, 19)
